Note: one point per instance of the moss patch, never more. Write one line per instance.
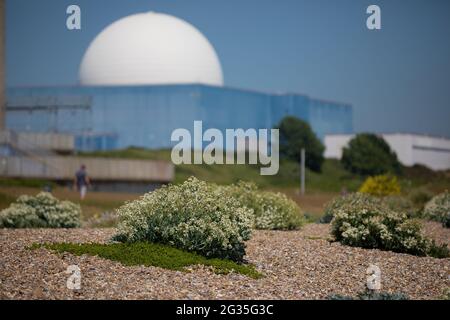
(151, 254)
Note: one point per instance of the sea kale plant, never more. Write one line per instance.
(271, 210)
(401, 204)
(438, 208)
(365, 222)
(192, 216)
(40, 211)
(345, 200)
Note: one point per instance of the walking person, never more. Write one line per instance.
(82, 181)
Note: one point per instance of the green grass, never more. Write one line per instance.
(5, 200)
(333, 177)
(151, 254)
(29, 183)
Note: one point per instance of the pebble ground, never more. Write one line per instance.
(296, 264)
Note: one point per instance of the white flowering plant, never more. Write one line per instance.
(40, 211)
(366, 222)
(394, 203)
(192, 216)
(438, 208)
(401, 204)
(271, 211)
(346, 200)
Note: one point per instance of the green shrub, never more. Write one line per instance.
(192, 216)
(401, 204)
(271, 211)
(446, 294)
(371, 295)
(41, 211)
(438, 251)
(420, 197)
(369, 154)
(296, 134)
(381, 186)
(275, 211)
(370, 224)
(438, 209)
(326, 218)
(346, 200)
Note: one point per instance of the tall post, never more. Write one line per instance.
(302, 171)
(2, 66)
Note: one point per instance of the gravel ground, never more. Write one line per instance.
(296, 264)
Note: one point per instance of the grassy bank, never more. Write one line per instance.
(333, 177)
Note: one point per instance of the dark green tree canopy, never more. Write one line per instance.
(369, 154)
(296, 134)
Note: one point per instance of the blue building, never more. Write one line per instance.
(114, 117)
(150, 73)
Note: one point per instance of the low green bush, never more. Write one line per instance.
(40, 211)
(366, 222)
(420, 197)
(438, 251)
(192, 216)
(346, 200)
(371, 295)
(271, 211)
(394, 203)
(438, 209)
(401, 204)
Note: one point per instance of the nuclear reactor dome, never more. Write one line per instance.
(150, 49)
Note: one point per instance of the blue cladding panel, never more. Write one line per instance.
(118, 117)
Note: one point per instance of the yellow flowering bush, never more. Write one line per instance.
(438, 208)
(380, 186)
(193, 216)
(271, 211)
(41, 211)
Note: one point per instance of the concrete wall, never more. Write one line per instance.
(435, 152)
(25, 143)
(64, 168)
(47, 141)
(411, 149)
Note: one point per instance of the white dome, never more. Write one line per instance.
(148, 49)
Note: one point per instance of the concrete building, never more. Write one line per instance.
(148, 74)
(411, 149)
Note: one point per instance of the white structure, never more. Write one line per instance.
(411, 149)
(150, 49)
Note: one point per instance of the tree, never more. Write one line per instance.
(296, 134)
(369, 154)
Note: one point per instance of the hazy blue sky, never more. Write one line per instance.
(397, 79)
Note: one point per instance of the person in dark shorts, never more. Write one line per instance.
(82, 181)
